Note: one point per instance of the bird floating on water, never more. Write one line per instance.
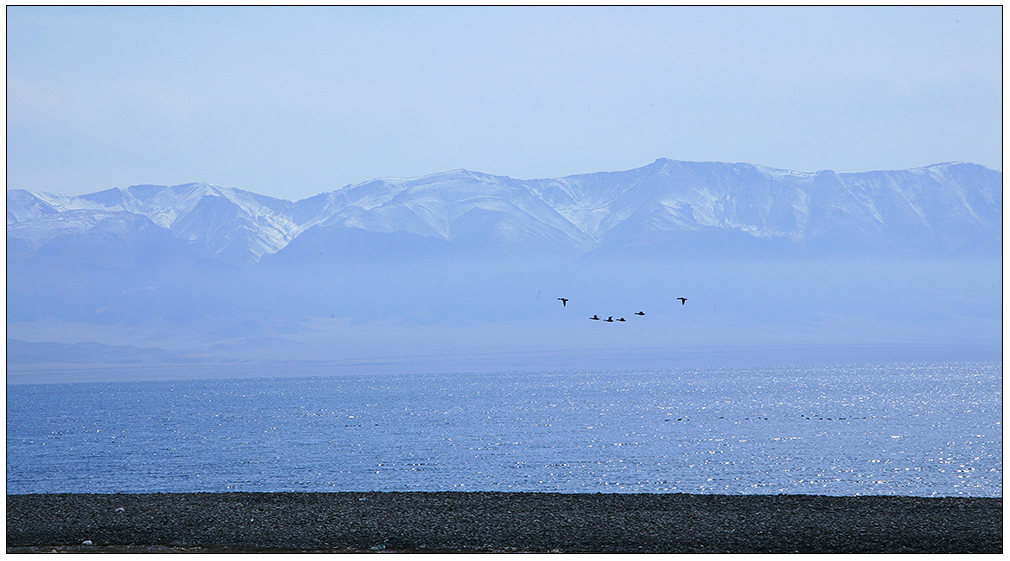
(682, 300)
(564, 302)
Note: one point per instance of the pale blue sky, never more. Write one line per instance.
(291, 102)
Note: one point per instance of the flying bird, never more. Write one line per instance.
(621, 319)
(564, 301)
(610, 319)
(682, 300)
(639, 313)
(595, 317)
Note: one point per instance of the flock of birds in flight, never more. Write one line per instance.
(610, 319)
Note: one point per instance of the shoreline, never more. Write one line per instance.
(474, 522)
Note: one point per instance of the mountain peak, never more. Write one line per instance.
(948, 206)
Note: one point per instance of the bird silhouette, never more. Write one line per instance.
(595, 317)
(564, 301)
(639, 313)
(621, 319)
(610, 319)
(682, 300)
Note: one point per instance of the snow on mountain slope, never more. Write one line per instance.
(945, 204)
(23, 206)
(462, 207)
(231, 224)
(946, 207)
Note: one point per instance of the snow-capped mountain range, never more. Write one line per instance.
(457, 263)
(668, 205)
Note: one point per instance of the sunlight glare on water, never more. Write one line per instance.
(909, 429)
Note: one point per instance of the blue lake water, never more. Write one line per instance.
(907, 429)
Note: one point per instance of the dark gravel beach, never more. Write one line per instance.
(501, 522)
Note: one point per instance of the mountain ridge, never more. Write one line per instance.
(945, 207)
(463, 262)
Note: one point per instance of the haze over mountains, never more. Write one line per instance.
(944, 208)
(212, 271)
